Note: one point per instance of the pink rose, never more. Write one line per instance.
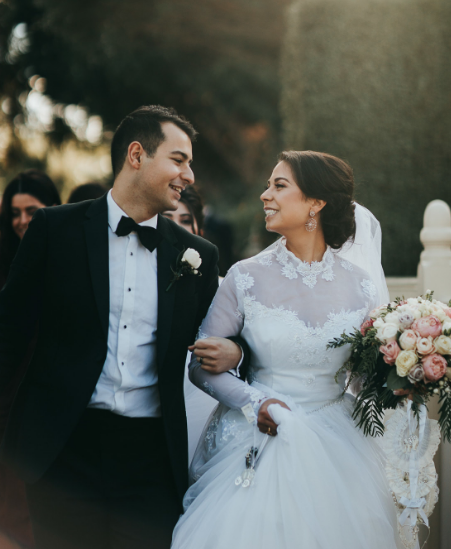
(390, 352)
(366, 326)
(447, 311)
(425, 345)
(434, 367)
(428, 326)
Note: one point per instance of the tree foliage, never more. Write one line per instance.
(215, 61)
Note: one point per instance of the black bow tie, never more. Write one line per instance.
(150, 237)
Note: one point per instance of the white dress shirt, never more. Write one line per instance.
(128, 384)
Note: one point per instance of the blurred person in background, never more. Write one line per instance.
(87, 191)
(26, 193)
(189, 213)
(220, 233)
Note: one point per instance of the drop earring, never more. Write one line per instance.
(311, 224)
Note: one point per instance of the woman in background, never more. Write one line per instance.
(189, 214)
(87, 191)
(26, 193)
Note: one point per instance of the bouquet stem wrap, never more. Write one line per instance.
(414, 506)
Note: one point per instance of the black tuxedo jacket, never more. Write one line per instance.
(59, 282)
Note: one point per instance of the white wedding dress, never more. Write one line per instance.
(320, 483)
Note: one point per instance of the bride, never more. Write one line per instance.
(281, 463)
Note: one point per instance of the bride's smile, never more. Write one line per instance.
(288, 210)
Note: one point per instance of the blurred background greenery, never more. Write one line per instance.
(368, 80)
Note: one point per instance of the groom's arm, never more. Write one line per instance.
(21, 301)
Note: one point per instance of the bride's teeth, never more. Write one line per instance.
(270, 212)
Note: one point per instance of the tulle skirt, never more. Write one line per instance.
(319, 484)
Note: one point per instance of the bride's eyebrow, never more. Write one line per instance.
(279, 179)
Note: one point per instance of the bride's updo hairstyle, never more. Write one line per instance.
(326, 177)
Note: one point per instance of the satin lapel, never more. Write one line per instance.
(167, 255)
(96, 233)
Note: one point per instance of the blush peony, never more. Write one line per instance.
(428, 326)
(434, 367)
(425, 345)
(390, 352)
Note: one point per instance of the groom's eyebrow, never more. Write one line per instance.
(183, 155)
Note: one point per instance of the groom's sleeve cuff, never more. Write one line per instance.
(236, 371)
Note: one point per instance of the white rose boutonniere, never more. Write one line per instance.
(192, 257)
(188, 262)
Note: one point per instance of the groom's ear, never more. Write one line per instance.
(135, 155)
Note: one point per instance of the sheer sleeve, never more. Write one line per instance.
(225, 318)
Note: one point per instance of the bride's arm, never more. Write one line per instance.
(226, 318)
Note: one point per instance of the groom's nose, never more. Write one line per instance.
(188, 175)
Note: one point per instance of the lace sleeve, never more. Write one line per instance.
(226, 318)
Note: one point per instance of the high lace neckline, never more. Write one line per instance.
(292, 266)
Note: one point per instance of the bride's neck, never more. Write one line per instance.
(307, 247)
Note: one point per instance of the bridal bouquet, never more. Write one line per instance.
(405, 347)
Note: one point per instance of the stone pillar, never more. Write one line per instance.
(434, 273)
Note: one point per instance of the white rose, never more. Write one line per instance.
(392, 318)
(408, 340)
(411, 308)
(446, 326)
(378, 323)
(425, 345)
(434, 309)
(417, 313)
(387, 333)
(405, 361)
(423, 308)
(376, 313)
(443, 345)
(192, 257)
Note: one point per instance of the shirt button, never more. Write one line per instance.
(131, 253)
(125, 327)
(129, 289)
(122, 363)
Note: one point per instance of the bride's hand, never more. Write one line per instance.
(264, 421)
(402, 392)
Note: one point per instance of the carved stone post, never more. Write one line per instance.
(434, 273)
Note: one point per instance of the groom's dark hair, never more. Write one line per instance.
(144, 125)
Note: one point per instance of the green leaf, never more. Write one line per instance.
(395, 382)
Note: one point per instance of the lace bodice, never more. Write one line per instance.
(287, 311)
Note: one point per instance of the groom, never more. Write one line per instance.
(98, 427)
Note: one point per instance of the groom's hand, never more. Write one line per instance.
(216, 354)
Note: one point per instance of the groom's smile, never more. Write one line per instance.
(165, 175)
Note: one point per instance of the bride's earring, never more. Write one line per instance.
(311, 224)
